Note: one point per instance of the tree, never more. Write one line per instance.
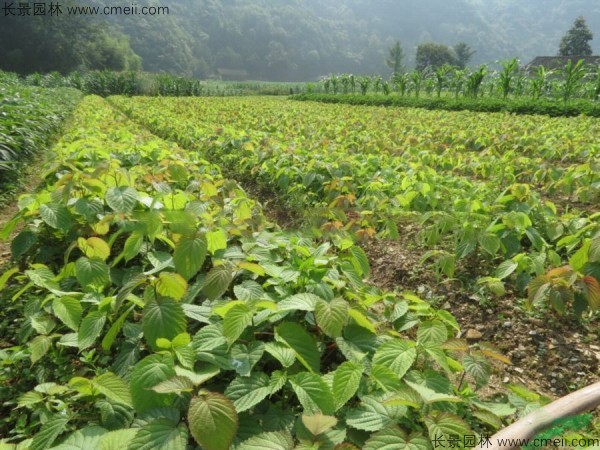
(576, 41)
(394, 61)
(463, 53)
(434, 55)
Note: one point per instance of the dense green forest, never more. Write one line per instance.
(285, 40)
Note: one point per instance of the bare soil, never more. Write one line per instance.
(551, 355)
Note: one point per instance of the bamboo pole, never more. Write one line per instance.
(578, 402)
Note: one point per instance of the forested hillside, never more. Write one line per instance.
(291, 39)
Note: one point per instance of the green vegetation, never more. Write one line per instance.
(106, 83)
(29, 118)
(149, 301)
(478, 192)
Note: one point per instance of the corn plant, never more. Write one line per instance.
(474, 81)
(573, 75)
(507, 76)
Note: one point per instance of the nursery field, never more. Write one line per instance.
(261, 273)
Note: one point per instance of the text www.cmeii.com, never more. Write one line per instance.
(58, 9)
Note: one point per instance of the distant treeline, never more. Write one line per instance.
(295, 40)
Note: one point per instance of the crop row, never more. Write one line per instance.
(149, 301)
(482, 185)
(29, 117)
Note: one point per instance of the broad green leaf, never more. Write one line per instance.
(281, 352)
(68, 310)
(444, 425)
(398, 355)
(163, 318)
(432, 332)
(252, 267)
(121, 199)
(362, 320)
(160, 434)
(171, 285)
(373, 415)
(56, 216)
(346, 380)
(246, 392)
(313, 393)
(146, 374)
(360, 260)
(117, 439)
(385, 378)
(217, 282)
(332, 317)
(236, 321)
(318, 423)
(175, 385)
(205, 373)
(86, 438)
(94, 247)
(22, 243)
(302, 342)
(393, 438)
(216, 240)
(430, 396)
(39, 346)
(248, 290)
(505, 269)
(478, 367)
(298, 302)
(114, 415)
(50, 430)
(92, 272)
(189, 255)
(213, 421)
(274, 440)
(244, 357)
(111, 335)
(490, 243)
(90, 329)
(29, 398)
(114, 388)
(132, 246)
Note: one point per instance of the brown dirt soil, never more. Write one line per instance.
(550, 355)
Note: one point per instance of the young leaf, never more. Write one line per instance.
(213, 421)
(318, 423)
(171, 285)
